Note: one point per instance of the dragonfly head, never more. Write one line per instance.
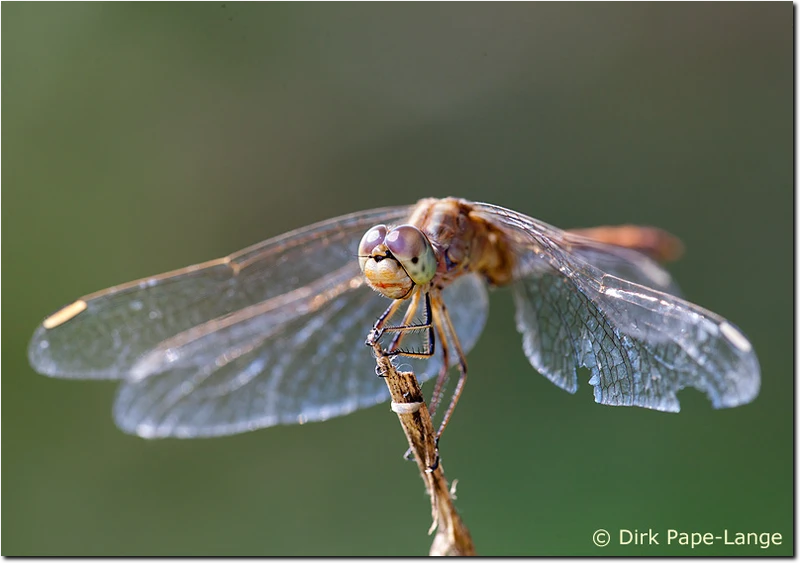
(394, 260)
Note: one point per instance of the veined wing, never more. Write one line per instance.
(271, 334)
(622, 262)
(103, 335)
(641, 345)
(301, 358)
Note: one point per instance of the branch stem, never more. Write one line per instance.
(452, 536)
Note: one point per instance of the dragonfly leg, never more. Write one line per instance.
(441, 379)
(377, 328)
(462, 368)
(407, 326)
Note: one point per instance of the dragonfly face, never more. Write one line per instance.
(395, 260)
(274, 334)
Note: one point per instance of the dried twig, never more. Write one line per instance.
(452, 536)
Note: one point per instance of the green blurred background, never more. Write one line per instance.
(140, 137)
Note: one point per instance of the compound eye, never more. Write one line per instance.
(413, 250)
(371, 239)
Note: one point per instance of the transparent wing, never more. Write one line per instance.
(641, 345)
(623, 263)
(114, 328)
(302, 359)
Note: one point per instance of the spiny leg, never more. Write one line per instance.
(462, 368)
(377, 328)
(407, 327)
(407, 317)
(441, 379)
(441, 325)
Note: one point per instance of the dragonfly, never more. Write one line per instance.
(275, 333)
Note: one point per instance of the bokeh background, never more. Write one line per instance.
(143, 137)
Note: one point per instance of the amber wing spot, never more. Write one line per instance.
(65, 314)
